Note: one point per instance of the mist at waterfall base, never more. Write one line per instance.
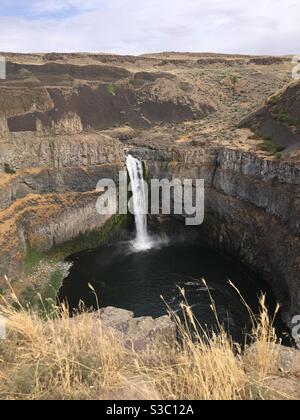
(136, 273)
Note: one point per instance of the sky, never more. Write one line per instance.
(144, 26)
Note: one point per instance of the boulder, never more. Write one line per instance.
(289, 362)
(138, 333)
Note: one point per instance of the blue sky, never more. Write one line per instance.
(136, 26)
(55, 9)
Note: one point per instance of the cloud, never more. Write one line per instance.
(134, 27)
(39, 7)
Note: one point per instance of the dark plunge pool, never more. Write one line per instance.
(137, 280)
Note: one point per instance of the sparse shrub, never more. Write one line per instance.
(111, 89)
(273, 100)
(234, 79)
(270, 147)
(285, 118)
(8, 169)
(267, 144)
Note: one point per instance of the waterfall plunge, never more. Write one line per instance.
(142, 241)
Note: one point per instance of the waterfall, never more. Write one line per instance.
(142, 241)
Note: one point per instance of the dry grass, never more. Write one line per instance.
(64, 358)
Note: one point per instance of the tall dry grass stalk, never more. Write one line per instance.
(63, 358)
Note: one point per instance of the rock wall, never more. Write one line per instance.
(59, 98)
(48, 192)
(41, 222)
(252, 210)
(23, 151)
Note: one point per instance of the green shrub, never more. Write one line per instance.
(111, 89)
(285, 118)
(32, 259)
(270, 147)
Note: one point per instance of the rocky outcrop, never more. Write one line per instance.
(141, 334)
(44, 181)
(48, 192)
(69, 123)
(267, 61)
(279, 120)
(137, 333)
(24, 151)
(289, 361)
(64, 98)
(284, 383)
(41, 222)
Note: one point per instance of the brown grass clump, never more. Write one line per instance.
(63, 358)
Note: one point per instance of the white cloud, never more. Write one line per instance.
(134, 27)
(52, 6)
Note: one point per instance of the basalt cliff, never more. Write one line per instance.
(67, 120)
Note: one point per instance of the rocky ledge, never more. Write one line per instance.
(136, 333)
(284, 383)
(140, 334)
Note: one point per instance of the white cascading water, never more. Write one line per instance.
(142, 241)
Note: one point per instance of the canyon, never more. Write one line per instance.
(68, 120)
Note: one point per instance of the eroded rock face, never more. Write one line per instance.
(252, 201)
(60, 98)
(48, 192)
(58, 152)
(42, 222)
(279, 119)
(252, 209)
